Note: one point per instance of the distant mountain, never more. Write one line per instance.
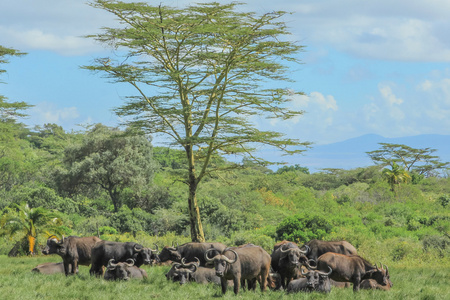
(350, 154)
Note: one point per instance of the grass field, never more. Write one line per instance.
(18, 282)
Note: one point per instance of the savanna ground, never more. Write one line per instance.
(411, 281)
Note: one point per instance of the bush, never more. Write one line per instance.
(444, 200)
(438, 243)
(302, 228)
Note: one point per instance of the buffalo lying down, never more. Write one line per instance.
(314, 281)
(123, 271)
(50, 268)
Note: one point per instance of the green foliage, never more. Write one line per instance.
(444, 200)
(109, 159)
(107, 230)
(303, 227)
(417, 161)
(294, 168)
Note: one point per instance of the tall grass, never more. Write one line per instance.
(421, 281)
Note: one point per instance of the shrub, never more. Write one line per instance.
(444, 200)
(302, 228)
(437, 242)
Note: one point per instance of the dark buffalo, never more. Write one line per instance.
(246, 263)
(73, 250)
(104, 251)
(50, 268)
(123, 270)
(190, 251)
(315, 248)
(184, 272)
(314, 281)
(351, 268)
(285, 261)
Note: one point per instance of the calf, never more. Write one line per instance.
(123, 271)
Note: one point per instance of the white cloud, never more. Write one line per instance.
(37, 39)
(46, 112)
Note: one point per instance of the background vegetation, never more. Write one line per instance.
(253, 204)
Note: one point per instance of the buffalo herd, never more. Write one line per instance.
(316, 266)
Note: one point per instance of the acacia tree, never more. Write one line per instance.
(419, 161)
(200, 74)
(15, 158)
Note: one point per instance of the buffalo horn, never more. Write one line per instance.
(303, 273)
(309, 266)
(137, 249)
(386, 267)
(111, 265)
(207, 257)
(229, 260)
(305, 251)
(157, 249)
(130, 262)
(284, 251)
(192, 265)
(176, 266)
(324, 273)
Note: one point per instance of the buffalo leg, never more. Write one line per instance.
(224, 284)
(356, 284)
(66, 268)
(264, 278)
(237, 283)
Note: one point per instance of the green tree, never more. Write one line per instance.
(396, 175)
(29, 221)
(110, 159)
(16, 158)
(415, 161)
(201, 74)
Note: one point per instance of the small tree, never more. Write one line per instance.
(29, 221)
(396, 176)
(201, 74)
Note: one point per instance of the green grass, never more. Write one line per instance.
(18, 282)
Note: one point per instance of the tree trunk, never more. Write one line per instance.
(197, 234)
(31, 243)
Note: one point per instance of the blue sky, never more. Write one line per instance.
(378, 67)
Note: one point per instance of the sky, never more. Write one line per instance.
(368, 67)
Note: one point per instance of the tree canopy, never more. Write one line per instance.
(419, 161)
(202, 74)
(109, 159)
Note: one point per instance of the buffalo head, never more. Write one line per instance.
(118, 271)
(183, 271)
(54, 246)
(316, 279)
(380, 274)
(221, 262)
